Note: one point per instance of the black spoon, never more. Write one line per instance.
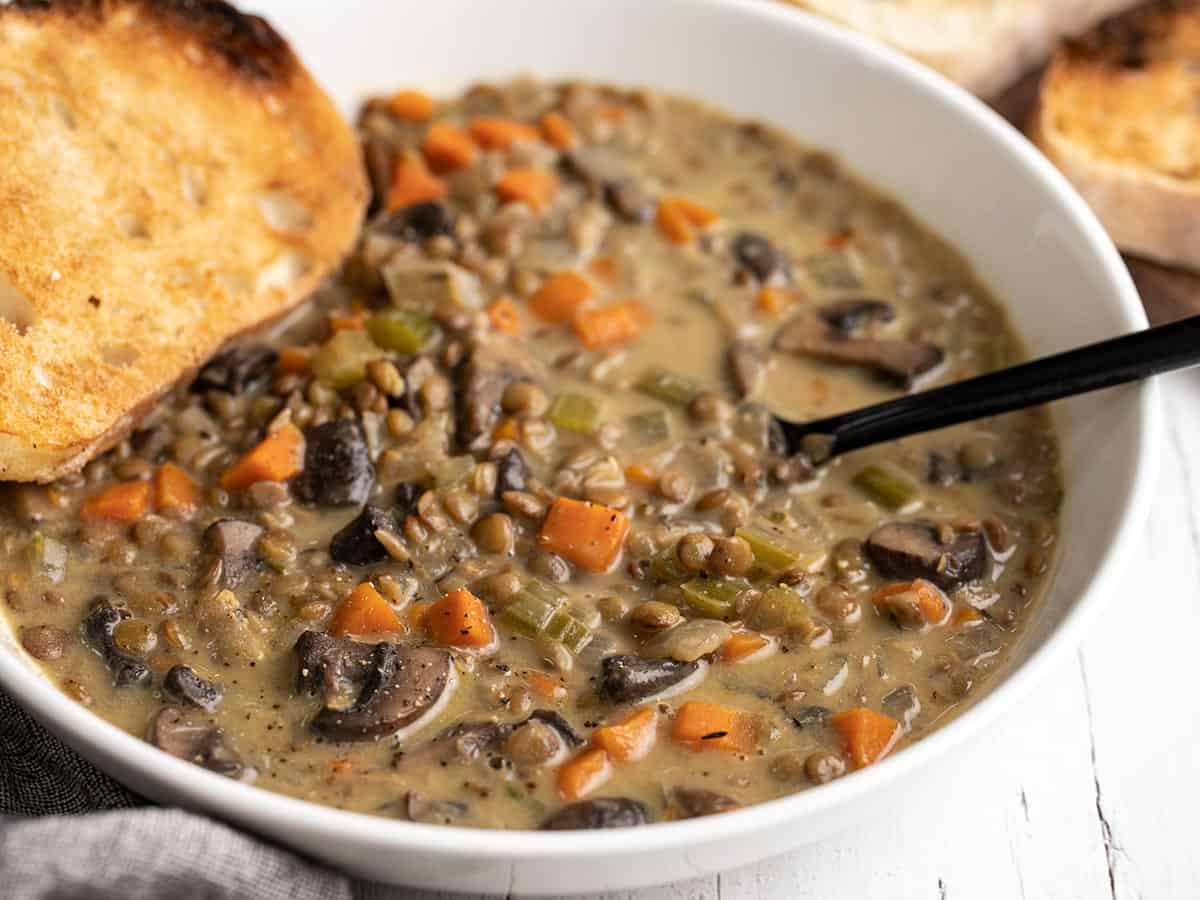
(1091, 368)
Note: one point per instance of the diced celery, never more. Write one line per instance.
(342, 360)
(649, 428)
(48, 557)
(833, 271)
(401, 330)
(565, 629)
(887, 488)
(801, 545)
(535, 605)
(778, 608)
(713, 598)
(667, 386)
(667, 568)
(575, 412)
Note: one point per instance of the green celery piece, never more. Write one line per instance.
(649, 428)
(887, 488)
(772, 554)
(341, 362)
(778, 608)
(667, 568)
(575, 412)
(667, 386)
(535, 605)
(565, 629)
(712, 598)
(401, 330)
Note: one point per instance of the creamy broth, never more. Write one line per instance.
(814, 618)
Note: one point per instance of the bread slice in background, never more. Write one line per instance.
(1119, 114)
(170, 177)
(984, 45)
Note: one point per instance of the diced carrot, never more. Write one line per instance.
(560, 297)
(418, 613)
(606, 268)
(460, 619)
(294, 360)
(582, 774)
(631, 738)
(341, 766)
(641, 475)
(412, 182)
(504, 316)
(120, 503)
(679, 217)
(278, 457)
(616, 323)
(495, 133)
(365, 612)
(965, 615)
(930, 601)
(174, 491)
(533, 187)
(506, 429)
(448, 148)
(412, 106)
(867, 736)
(589, 535)
(546, 686)
(742, 644)
(703, 726)
(558, 130)
(771, 300)
(355, 321)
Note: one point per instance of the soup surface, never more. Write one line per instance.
(499, 530)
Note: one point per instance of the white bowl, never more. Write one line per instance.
(956, 165)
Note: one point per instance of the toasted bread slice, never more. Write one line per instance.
(984, 45)
(170, 177)
(1118, 115)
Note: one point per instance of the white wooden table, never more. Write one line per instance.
(1085, 791)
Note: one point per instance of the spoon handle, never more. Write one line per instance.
(1120, 360)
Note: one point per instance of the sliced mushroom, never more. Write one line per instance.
(481, 383)
(899, 361)
(602, 812)
(470, 741)
(98, 630)
(625, 678)
(331, 666)
(848, 316)
(201, 743)
(691, 803)
(420, 221)
(235, 370)
(183, 685)
(757, 255)
(337, 465)
(356, 544)
(628, 199)
(747, 366)
(939, 553)
(902, 704)
(404, 688)
(407, 495)
(512, 474)
(417, 807)
(549, 717)
(232, 544)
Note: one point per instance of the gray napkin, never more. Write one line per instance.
(124, 849)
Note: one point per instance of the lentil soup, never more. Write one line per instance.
(498, 532)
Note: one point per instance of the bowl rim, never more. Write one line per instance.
(251, 806)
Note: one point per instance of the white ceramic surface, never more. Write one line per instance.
(961, 169)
